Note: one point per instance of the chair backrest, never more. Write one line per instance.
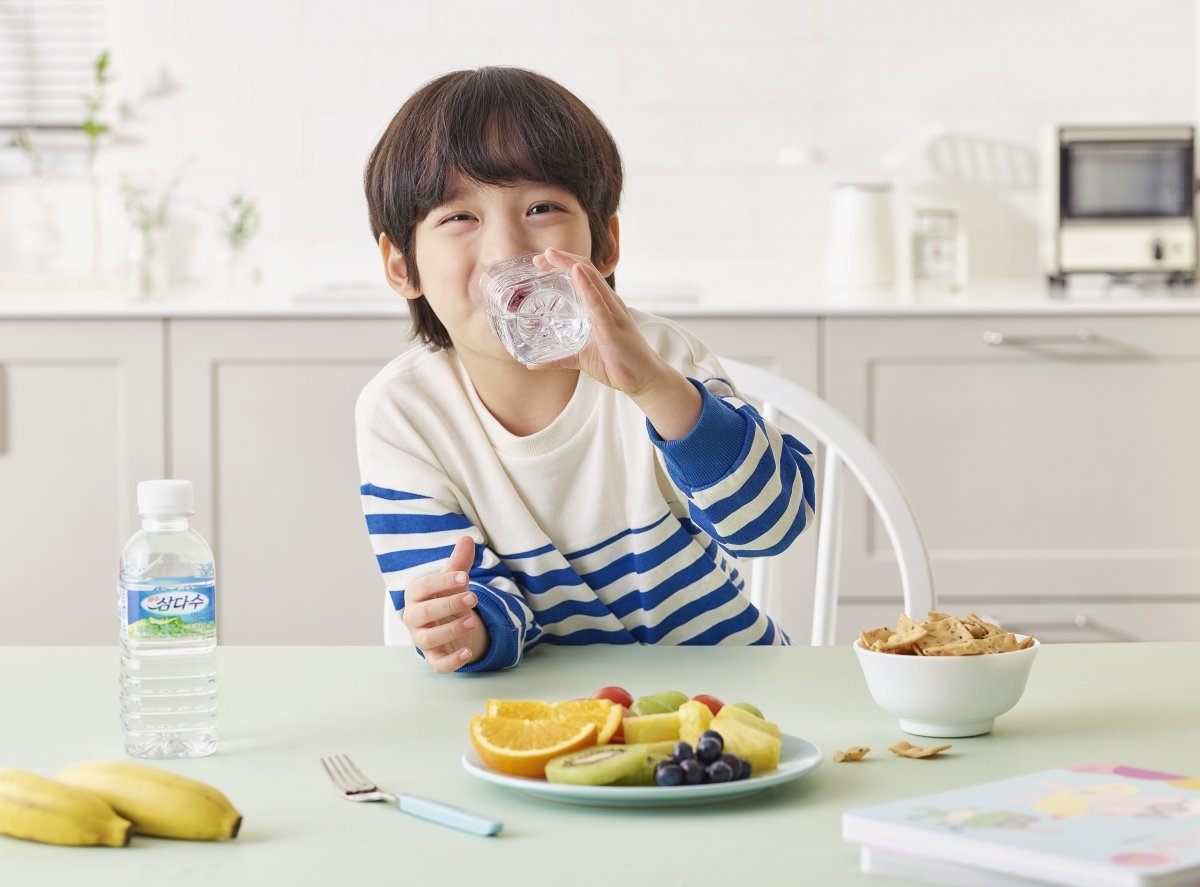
(845, 447)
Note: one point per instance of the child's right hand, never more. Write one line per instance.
(438, 613)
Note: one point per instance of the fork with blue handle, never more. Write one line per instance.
(354, 785)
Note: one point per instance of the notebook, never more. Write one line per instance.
(1089, 825)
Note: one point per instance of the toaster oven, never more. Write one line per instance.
(1119, 200)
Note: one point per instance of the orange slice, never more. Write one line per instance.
(524, 747)
(602, 712)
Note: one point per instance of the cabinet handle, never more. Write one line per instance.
(1079, 625)
(1079, 337)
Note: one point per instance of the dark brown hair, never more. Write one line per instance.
(495, 126)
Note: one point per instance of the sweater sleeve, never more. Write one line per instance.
(413, 535)
(747, 484)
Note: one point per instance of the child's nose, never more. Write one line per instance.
(506, 243)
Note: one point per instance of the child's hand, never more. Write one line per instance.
(617, 355)
(438, 613)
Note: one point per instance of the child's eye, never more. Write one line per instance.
(540, 209)
(457, 217)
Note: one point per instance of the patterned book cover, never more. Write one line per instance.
(1088, 824)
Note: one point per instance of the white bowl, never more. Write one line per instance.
(946, 695)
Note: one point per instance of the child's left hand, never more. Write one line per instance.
(617, 355)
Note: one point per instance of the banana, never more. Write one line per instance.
(158, 802)
(36, 808)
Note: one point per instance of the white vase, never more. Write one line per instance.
(147, 268)
(861, 251)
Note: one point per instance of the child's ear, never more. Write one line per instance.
(609, 262)
(395, 268)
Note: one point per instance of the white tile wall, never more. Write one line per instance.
(284, 98)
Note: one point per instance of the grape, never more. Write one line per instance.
(719, 771)
(668, 773)
(683, 752)
(693, 771)
(709, 746)
(733, 762)
(744, 769)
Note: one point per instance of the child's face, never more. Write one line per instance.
(478, 226)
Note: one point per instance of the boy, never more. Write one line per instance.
(602, 499)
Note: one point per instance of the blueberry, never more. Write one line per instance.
(719, 771)
(693, 771)
(744, 769)
(708, 750)
(668, 773)
(683, 752)
(732, 761)
(713, 734)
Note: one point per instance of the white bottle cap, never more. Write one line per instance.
(163, 497)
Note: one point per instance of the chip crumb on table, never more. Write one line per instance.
(943, 635)
(908, 750)
(853, 753)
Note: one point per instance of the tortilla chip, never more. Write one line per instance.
(853, 753)
(908, 750)
(943, 635)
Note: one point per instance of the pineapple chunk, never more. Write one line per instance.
(733, 713)
(652, 728)
(694, 718)
(758, 747)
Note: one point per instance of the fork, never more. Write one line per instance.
(357, 786)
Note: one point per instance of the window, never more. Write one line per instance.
(48, 53)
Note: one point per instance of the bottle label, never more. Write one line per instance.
(162, 613)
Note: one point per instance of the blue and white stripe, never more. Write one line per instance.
(673, 580)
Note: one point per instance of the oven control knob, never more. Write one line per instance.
(1158, 250)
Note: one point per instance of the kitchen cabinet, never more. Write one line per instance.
(262, 421)
(1053, 473)
(1051, 463)
(81, 421)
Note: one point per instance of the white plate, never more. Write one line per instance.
(797, 757)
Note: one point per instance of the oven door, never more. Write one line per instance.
(1120, 179)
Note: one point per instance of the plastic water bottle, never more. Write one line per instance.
(537, 315)
(167, 603)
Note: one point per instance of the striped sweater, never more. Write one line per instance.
(592, 530)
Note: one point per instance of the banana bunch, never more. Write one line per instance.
(36, 808)
(102, 802)
(157, 802)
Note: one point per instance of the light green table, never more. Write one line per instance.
(283, 707)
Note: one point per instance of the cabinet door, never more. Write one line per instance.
(262, 420)
(789, 347)
(1052, 459)
(81, 422)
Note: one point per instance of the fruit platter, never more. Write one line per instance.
(664, 749)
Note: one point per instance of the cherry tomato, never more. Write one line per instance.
(617, 695)
(714, 704)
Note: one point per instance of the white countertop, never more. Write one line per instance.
(994, 297)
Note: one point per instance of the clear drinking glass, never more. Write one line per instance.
(537, 315)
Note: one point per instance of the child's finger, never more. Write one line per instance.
(562, 258)
(445, 634)
(463, 555)
(448, 662)
(595, 291)
(440, 609)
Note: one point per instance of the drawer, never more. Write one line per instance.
(1083, 622)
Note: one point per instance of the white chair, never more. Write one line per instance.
(845, 446)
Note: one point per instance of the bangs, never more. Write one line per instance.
(495, 130)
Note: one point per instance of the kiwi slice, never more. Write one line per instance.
(653, 753)
(598, 765)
